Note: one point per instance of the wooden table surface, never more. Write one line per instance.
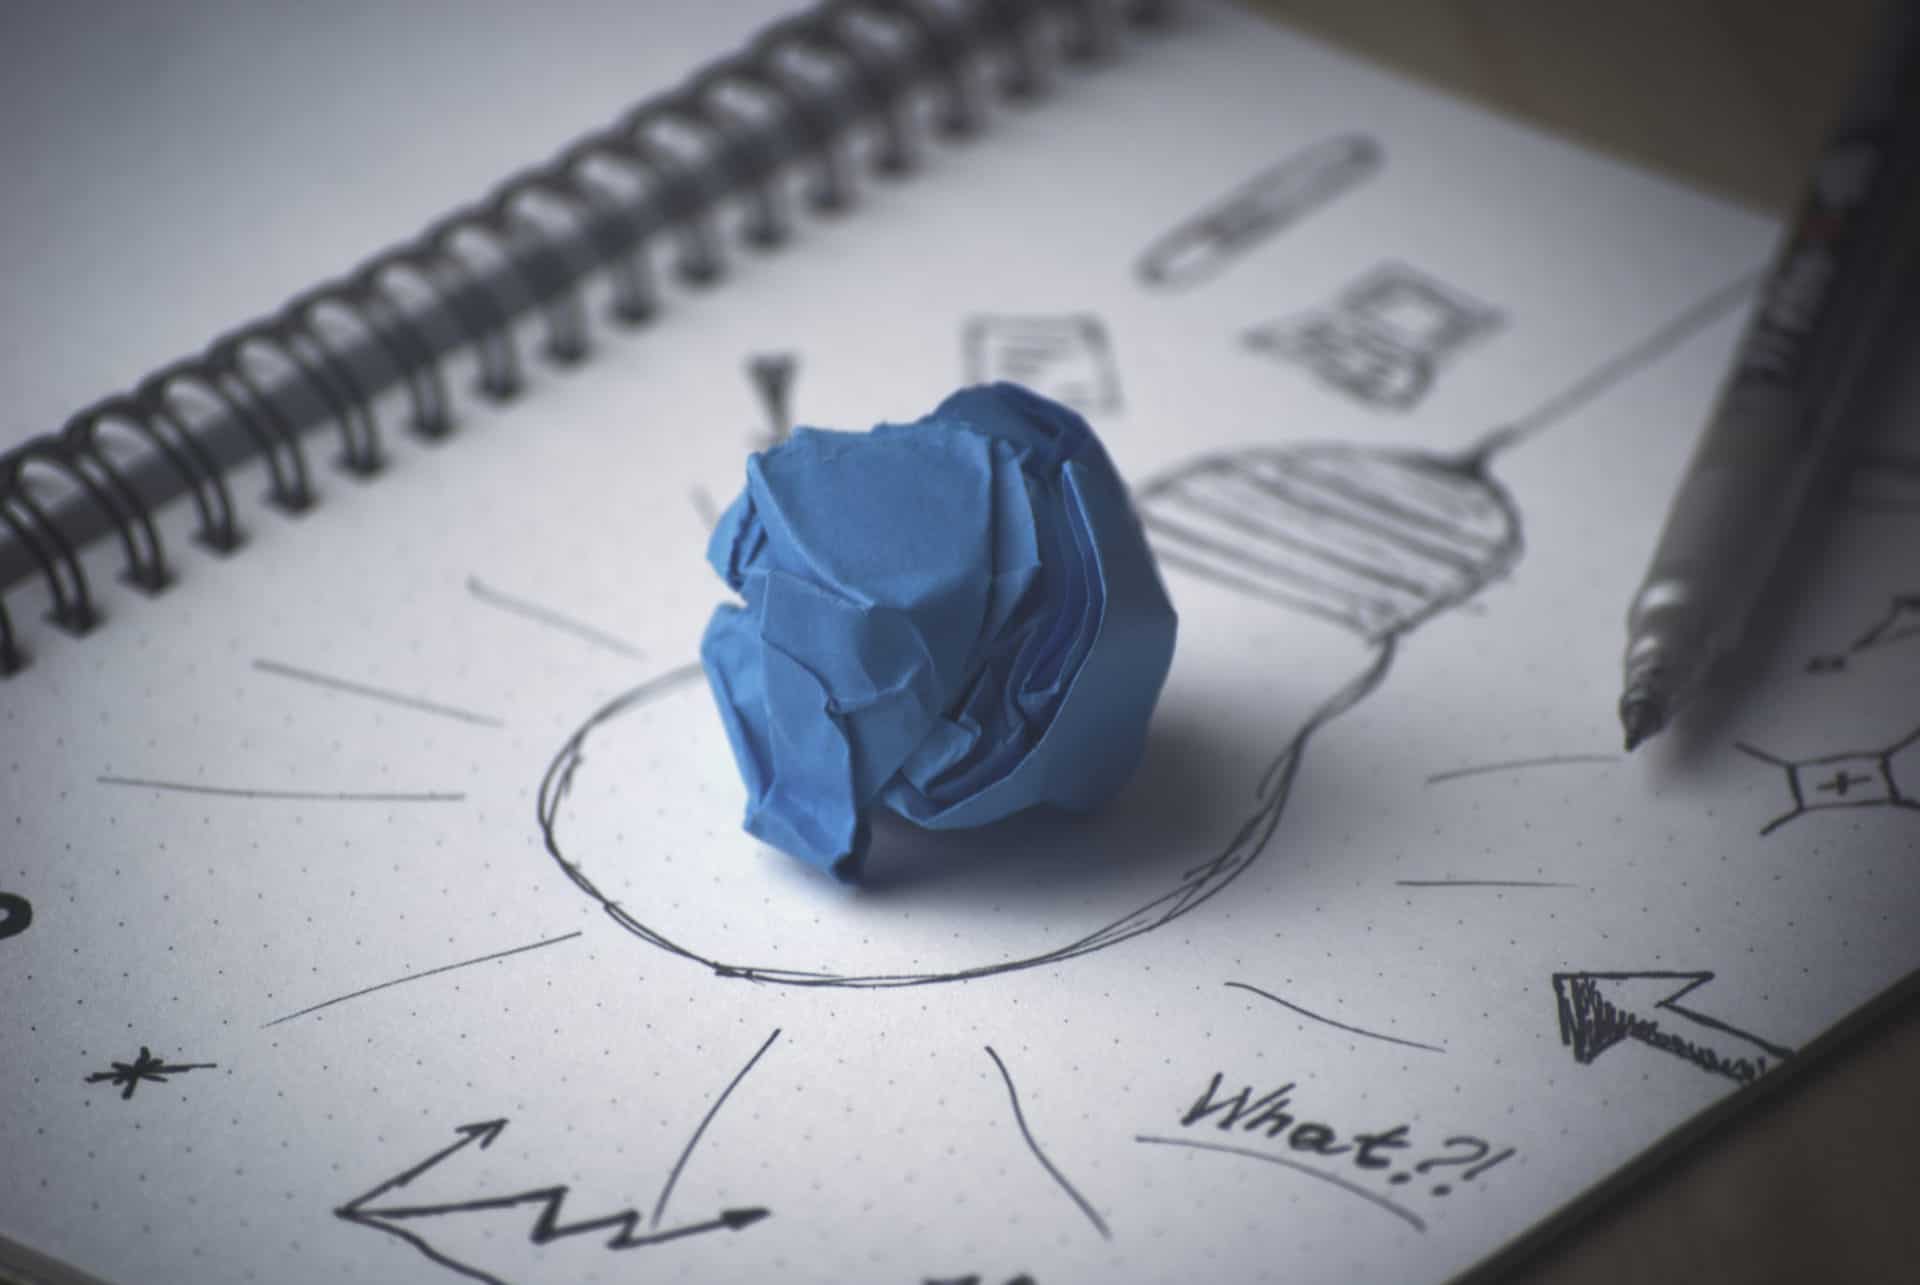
(1821, 1183)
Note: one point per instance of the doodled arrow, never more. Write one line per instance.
(1599, 1010)
(624, 1227)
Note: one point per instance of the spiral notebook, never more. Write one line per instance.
(373, 900)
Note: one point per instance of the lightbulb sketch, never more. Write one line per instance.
(1375, 541)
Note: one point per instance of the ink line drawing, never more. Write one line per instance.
(1373, 1198)
(772, 376)
(553, 619)
(1265, 205)
(1274, 1115)
(1067, 358)
(1900, 622)
(1196, 885)
(1599, 1010)
(673, 1175)
(623, 1229)
(1483, 883)
(1385, 339)
(1516, 765)
(16, 912)
(414, 977)
(145, 1069)
(1053, 1170)
(386, 695)
(1851, 779)
(1377, 541)
(1351, 1030)
(301, 796)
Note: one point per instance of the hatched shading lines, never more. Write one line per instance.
(1408, 498)
(1351, 515)
(1223, 510)
(1250, 560)
(1173, 556)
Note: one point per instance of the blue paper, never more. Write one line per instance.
(956, 619)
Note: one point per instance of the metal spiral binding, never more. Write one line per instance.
(808, 91)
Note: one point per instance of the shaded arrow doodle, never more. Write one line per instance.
(1599, 1010)
(623, 1229)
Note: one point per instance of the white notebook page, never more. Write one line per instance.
(1291, 1009)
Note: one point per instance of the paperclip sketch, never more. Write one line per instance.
(1066, 357)
(1265, 205)
(1851, 779)
(1385, 339)
(1599, 1010)
(1375, 541)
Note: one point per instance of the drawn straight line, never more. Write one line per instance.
(1372, 1035)
(548, 616)
(375, 693)
(1020, 1118)
(1621, 365)
(666, 1190)
(239, 792)
(1549, 760)
(1482, 883)
(1418, 1223)
(414, 977)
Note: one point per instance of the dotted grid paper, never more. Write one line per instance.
(376, 906)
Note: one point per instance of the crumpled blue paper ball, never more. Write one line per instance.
(957, 619)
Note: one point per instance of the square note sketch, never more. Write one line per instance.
(1385, 338)
(1065, 357)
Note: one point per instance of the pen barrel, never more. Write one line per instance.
(1723, 536)
(1835, 282)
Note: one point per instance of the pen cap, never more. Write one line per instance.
(1375, 540)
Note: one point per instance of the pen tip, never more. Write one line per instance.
(1641, 717)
